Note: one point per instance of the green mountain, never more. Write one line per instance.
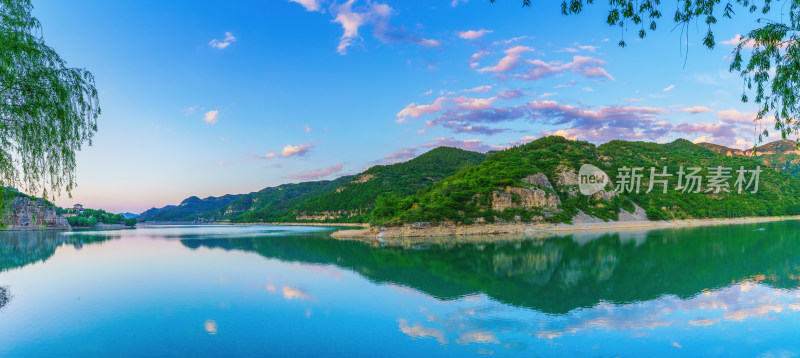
(190, 209)
(353, 200)
(275, 204)
(538, 181)
(783, 155)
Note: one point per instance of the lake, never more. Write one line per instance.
(293, 291)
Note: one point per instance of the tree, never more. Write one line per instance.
(130, 222)
(47, 110)
(772, 68)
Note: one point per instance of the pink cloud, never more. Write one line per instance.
(473, 104)
(473, 34)
(510, 61)
(588, 67)
(697, 109)
(508, 41)
(378, 15)
(734, 116)
(318, 173)
(415, 111)
(296, 151)
(210, 117)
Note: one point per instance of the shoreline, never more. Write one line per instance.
(364, 225)
(457, 233)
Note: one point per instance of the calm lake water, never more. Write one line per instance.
(292, 291)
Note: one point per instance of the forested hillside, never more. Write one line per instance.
(538, 181)
(353, 200)
(190, 209)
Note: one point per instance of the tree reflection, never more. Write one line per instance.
(559, 274)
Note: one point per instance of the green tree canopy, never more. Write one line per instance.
(47, 109)
(767, 57)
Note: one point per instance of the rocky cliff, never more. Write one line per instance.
(25, 213)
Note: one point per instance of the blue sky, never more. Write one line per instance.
(208, 98)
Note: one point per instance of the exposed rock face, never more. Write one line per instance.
(363, 178)
(326, 215)
(566, 176)
(529, 199)
(539, 179)
(31, 214)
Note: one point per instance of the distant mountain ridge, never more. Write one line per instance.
(345, 199)
(190, 209)
(782, 155)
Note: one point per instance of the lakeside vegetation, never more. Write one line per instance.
(92, 217)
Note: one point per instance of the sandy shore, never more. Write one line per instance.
(458, 233)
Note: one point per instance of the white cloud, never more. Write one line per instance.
(221, 44)
(310, 5)
(270, 155)
(473, 34)
(669, 88)
(506, 42)
(211, 117)
(307, 129)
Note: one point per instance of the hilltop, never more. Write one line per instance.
(782, 155)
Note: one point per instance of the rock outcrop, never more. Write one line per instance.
(527, 198)
(24, 213)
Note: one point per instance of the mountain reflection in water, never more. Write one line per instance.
(562, 273)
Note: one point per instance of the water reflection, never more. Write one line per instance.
(697, 291)
(19, 249)
(560, 274)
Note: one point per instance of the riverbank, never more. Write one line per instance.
(449, 233)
